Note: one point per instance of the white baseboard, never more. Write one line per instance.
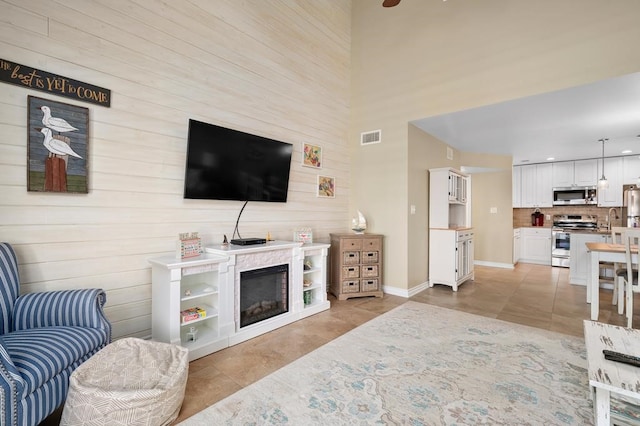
(395, 291)
(403, 292)
(417, 289)
(494, 264)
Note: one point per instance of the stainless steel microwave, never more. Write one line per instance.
(575, 195)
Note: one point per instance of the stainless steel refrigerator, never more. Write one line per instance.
(631, 206)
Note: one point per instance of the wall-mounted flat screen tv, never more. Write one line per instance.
(226, 164)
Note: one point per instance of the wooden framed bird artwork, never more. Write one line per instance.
(58, 142)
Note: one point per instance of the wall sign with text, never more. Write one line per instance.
(32, 78)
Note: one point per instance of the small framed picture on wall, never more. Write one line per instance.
(311, 155)
(326, 186)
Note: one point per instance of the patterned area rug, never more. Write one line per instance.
(422, 365)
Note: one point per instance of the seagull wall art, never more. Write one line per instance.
(56, 146)
(60, 125)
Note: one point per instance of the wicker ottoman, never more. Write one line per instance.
(129, 382)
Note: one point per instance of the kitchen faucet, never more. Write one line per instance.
(615, 213)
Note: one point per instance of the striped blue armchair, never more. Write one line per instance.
(43, 338)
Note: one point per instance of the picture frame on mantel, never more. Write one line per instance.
(311, 155)
(303, 235)
(58, 146)
(326, 187)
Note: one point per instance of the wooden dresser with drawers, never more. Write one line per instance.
(356, 265)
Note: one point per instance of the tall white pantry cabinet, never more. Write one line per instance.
(450, 232)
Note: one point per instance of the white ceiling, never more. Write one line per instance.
(565, 125)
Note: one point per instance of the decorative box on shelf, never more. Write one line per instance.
(189, 245)
(192, 314)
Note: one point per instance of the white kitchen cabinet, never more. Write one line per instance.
(450, 233)
(537, 185)
(449, 198)
(585, 172)
(612, 195)
(516, 245)
(631, 170)
(579, 260)
(464, 255)
(536, 245)
(575, 173)
(562, 173)
(516, 187)
(457, 188)
(450, 257)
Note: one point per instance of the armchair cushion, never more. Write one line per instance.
(70, 308)
(40, 354)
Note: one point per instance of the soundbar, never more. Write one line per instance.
(248, 241)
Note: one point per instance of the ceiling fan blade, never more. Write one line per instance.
(390, 3)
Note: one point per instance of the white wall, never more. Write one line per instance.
(279, 69)
(425, 152)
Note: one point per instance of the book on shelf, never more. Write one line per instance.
(192, 314)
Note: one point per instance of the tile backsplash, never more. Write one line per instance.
(522, 216)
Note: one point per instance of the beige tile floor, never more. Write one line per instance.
(534, 295)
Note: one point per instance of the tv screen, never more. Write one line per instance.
(226, 164)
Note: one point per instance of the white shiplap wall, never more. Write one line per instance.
(277, 68)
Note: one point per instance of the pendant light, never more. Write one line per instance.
(603, 182)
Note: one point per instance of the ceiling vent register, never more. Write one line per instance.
(368, 138)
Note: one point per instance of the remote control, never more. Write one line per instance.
(623, 358)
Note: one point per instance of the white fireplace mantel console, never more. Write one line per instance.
(211, 281)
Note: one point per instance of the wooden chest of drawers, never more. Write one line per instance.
(356, 265)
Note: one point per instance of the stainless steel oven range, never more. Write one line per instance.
(563, 225)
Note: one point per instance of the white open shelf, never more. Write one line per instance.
(211, 313)
(200, 290)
